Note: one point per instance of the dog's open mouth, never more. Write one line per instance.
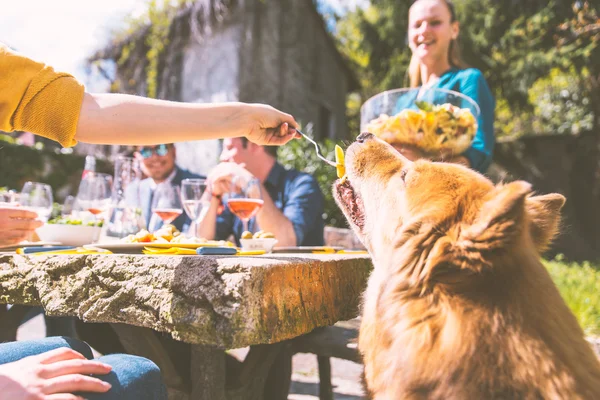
(351, 202)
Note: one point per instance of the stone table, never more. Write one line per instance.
(213, 303)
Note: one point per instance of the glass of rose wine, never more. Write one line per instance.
(95, 192)
(244, 199)
(166, 202)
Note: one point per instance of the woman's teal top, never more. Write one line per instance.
(470, 82)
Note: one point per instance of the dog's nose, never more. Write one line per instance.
(364, 136)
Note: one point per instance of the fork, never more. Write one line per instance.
(319, 154)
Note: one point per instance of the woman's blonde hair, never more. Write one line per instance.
(454, 54)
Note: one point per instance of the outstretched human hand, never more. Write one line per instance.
(269, 126)
(53, 375)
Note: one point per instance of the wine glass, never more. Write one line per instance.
(192, 192)
(95, 192)
(244, 199)
(166, 202)
(37, 197)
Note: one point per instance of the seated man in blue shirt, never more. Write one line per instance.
(293, 203)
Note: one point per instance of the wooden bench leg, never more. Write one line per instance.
(325, 387)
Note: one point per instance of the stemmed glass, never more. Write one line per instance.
(192, 192)
(37, 197)
(244, 199)
(95, 192)
(166, 202)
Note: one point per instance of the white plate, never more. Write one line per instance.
(138, 247)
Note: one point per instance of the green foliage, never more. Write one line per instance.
(578, 284)
(301, 155)
(561, 103)
(157, 39)
(157, 19)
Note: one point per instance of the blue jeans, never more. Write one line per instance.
(131, 377)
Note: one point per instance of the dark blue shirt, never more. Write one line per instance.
(470, 82)
(299, 198)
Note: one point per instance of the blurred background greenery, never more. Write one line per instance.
(578, 284)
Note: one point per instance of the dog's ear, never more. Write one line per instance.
(500, 220)
(544, 217)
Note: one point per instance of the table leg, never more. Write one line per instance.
(10, 321)
(278, 382)
(325, 388)
(248, 381)
(144, 342)
(208, 373)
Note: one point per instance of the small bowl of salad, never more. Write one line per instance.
(70, 231)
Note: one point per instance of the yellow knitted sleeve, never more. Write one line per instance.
(37, 99)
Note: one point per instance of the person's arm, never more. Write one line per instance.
(16, 225)
(479, 155)
(299, 214)
(37, 99)
(52, 374)
(271, 219)
(128, 119)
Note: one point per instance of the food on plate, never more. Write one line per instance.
(246, 235)
(169, 234)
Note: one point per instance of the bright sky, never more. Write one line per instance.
(62, 33)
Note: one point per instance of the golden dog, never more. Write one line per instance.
(459, 305)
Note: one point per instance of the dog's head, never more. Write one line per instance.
(388, 199)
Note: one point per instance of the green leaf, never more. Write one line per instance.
(423, 105)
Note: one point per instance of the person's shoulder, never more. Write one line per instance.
(185, 174)
(470, 74)
(297, 176)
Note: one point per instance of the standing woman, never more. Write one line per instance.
(433, 31)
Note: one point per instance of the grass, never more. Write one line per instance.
(579, 285)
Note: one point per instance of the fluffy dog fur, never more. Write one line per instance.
(459, 305)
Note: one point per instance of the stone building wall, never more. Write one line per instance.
(293, 66)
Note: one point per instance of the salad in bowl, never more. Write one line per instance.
(433, 120)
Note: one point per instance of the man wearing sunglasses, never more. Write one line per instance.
(158, 163)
